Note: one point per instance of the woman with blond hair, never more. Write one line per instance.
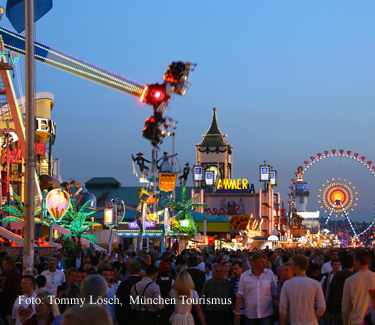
(186, 298)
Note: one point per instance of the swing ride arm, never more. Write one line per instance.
(43, 53)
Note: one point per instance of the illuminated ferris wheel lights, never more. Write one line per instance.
(353, 194)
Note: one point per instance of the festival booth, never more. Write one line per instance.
(13, 243)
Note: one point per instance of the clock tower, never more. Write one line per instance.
(214, 153)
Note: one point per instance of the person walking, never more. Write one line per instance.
(184, 294)
(53, 276)
(356, 298)
(327, 266)
(327, 278)
(23, 308)
(10, 288)
(46, 311)
(256, 290)
(69, 289)
(146, 298)
(284, 273)
(301, 299)
(236, 272)
(220, 288)
(336, 290)
(124, 313)
(198, 276)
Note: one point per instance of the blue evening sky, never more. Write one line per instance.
(289, 78)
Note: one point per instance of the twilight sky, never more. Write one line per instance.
(289, 78)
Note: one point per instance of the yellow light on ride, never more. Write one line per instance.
(152, 217)
(338, 196)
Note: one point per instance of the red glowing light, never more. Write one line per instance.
(158, 94)
(155, 94)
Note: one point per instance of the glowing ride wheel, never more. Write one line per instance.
(338, 198)
(345, 196)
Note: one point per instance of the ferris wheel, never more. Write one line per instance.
(338, 197)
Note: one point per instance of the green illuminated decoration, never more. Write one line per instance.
(16, 212)
(78, 221)
(183, 221)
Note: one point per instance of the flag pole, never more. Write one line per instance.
(29, 189)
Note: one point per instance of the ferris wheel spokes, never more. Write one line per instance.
(349, 221)
(329, 216)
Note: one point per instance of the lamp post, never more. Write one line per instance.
(109, 222)
(198, 179)
(209, 179)
(28, 256)
(267, 177)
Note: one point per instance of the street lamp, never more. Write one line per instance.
(109, 222)
(197, 174)
(267, 177)
(119, 210)
(209, 178)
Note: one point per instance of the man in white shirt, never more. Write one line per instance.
(356, 300)
(256, 289)
(53, 276)
(24, 306)
(301, 299)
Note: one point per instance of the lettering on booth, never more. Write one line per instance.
(234, 184)
(45, 126)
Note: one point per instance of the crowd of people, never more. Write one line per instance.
(206, 287)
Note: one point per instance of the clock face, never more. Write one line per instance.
(216, 172)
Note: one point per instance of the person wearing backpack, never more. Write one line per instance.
(146, 299)
(165, 282)
(124, 313)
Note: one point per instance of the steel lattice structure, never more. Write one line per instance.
(343, 188)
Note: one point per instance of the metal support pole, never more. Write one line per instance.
(172, 162)
(110, 240)
(50, 155)
(28, 255)
(155, 180)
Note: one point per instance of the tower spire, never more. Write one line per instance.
(214, 151)
(214, 129)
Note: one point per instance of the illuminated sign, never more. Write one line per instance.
(14, 155)
(198, 173)
(148, 224)
(209, 178)
(167, 182)
(228, 184)
(264, 173)
(45, 126)
(273, 177)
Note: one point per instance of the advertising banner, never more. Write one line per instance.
(167, 182)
